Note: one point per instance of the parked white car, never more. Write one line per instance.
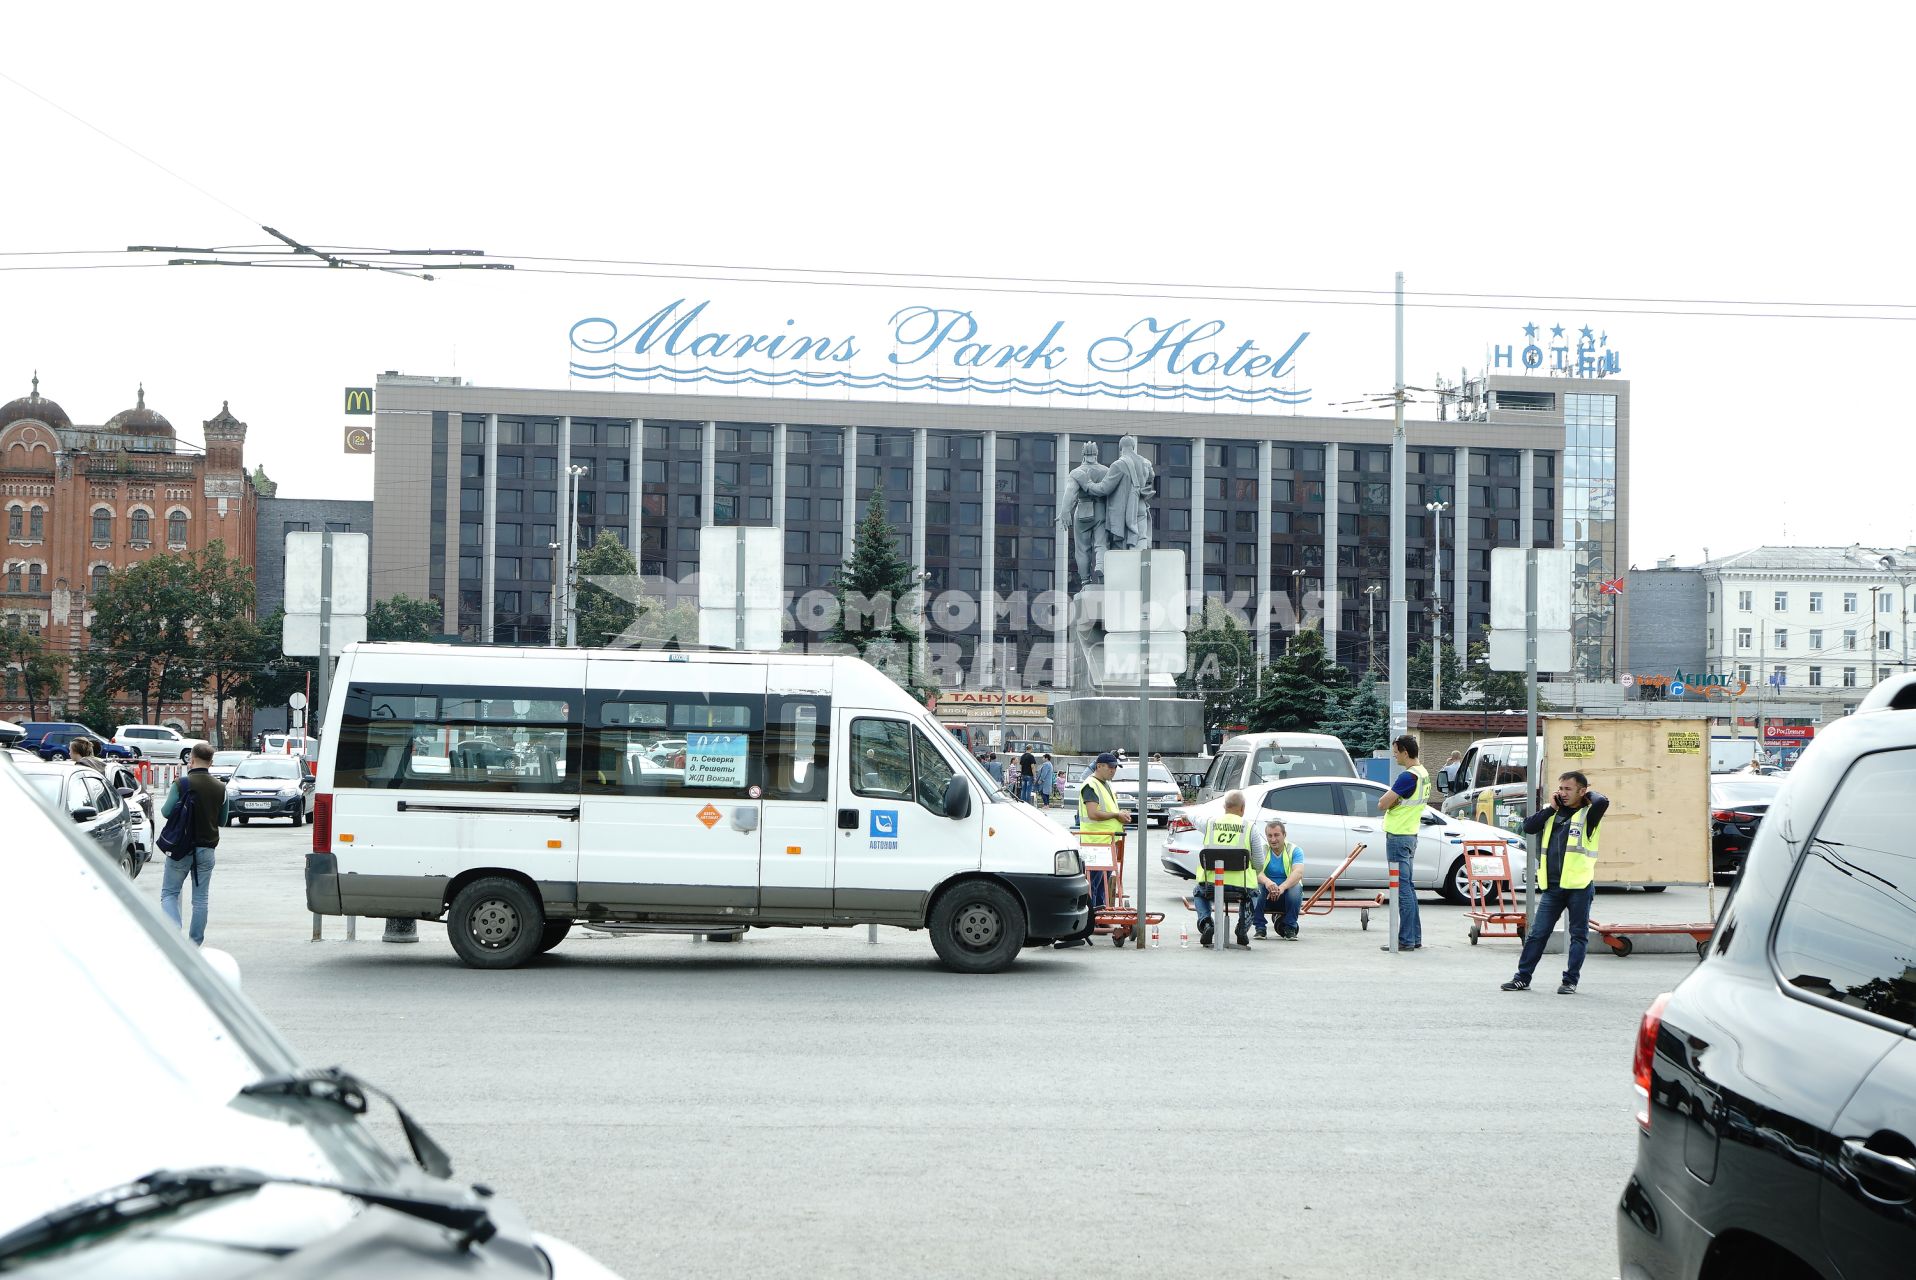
(156, 742)
(1325, 817)
(1163, 792)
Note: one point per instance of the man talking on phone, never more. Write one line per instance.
(1564, 872)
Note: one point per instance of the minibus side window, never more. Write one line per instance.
(680, 745)
(797, 747)
(881, 758)
(459, 738)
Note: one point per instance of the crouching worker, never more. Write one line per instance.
(1281, 886)
(1228, 833)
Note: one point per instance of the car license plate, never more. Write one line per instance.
(259, 804)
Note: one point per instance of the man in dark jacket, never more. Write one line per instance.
(209, 815)
(1565, 872)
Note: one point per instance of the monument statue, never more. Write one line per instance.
(1128, 486)
(1081, 514)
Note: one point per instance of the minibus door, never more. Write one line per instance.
(674, 773)
(895, 842)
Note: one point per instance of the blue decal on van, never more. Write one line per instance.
(884, 824)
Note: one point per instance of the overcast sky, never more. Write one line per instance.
(1681, 152)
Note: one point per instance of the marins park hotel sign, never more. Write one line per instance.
(944, 350)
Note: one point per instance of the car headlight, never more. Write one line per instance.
(1066, 862)
(287, 793)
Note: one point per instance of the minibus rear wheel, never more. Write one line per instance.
(977, 926)
(496, 923)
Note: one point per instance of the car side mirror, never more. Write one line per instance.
(126, 793)
(1432, 818)
(957, 798)
(85, 813)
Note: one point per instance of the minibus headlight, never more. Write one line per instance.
(1067, 863)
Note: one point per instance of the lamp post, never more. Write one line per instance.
(1436, 510)
(1370, 630)
(577, 472)
(1297, 598)
(557, 608)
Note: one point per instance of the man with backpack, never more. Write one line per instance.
(195, 810)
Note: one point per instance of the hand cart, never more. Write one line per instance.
(1486, 887)
(1362, 904)
(1117, 919)
(1617, 936)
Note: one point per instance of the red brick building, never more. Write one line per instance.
(82, 502)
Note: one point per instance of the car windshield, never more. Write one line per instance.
(1273, 763)
(1732, 794)
(267, 769)
(1129, 773)
(228, 757)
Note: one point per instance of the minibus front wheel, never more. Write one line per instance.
(977, 926)
(496, 922)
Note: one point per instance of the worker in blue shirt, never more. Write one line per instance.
(1283, 866)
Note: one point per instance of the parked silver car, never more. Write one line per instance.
(82, 795)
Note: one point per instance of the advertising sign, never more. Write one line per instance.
(1797, 733)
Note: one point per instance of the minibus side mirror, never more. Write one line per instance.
(957, 798)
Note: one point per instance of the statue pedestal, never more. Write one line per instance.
(1087, 723)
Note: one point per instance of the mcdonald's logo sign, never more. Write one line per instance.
(359, 400)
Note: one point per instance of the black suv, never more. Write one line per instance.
(1776, 1087)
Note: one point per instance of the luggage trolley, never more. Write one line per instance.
(1363, 904)
(1487, 880)
(1117, 918)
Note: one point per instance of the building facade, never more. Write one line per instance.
(84, 502)
(1819, 622)
(281, 516)
(1280, 516)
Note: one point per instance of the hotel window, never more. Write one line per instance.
(1816, 640)
(1743, 637)
(1782, 601)
(1816, 602)
(1849, 639)
(1849, 677)
(1816, 677)
(1849, 602)
(1745, 601)
(1780, 638)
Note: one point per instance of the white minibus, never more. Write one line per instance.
(513, 792)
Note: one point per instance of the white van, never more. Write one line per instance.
(1250, 758)
(507, 792)
(1490, 781)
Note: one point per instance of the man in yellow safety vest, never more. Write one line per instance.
(1229, 832)
(1564, 875)
(1403, 810)
(1100, 820)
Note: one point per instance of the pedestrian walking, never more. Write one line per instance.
(1028, 773)
(1403, 810)
(209, 816)
(1564, 874)
(1047, 780)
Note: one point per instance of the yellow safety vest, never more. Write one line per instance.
(1098, 830)
(1579, 853)
(1403, 817)
(1282, 861)
(1227, 831)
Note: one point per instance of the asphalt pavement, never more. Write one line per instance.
(805, 1103)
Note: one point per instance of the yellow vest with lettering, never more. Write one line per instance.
(1098, 830)
(1226, 831)
(1403, 818)
(1579, 853)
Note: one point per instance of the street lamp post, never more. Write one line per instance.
(1436, 510)
(1297, 599)
(577, 472)
(1370, 631)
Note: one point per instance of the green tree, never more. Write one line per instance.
(1221, 667)
(874, 589)
(26, 657)
(604, 615)
(403, 618)
(225, 637)
(1298, 687)
(1356, 717)
(1495, 690)
(142, 636)
(96, 706)
(1458, 690)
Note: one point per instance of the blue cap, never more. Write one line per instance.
(1106, 758)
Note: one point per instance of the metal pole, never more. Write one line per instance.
(572, 561)
(738, 590)
(1399, 611)
(1004, 699)
(318, 682)
(1436, 510)
(1143, 862)
(1218, 922)
(1533, 771)
(1390, 916)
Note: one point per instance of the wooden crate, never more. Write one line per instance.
(1657, 775)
